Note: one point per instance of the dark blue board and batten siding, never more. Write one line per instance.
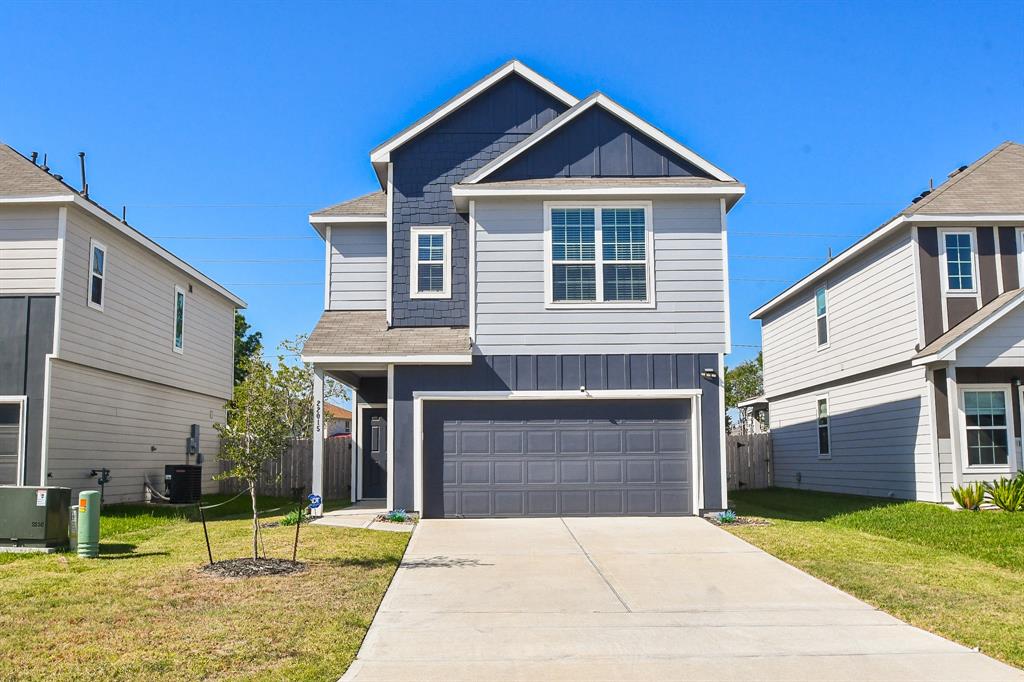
(425, 168)
(26, 336)
(596, 144)
(561, 372)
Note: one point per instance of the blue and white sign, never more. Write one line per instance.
(315, 501)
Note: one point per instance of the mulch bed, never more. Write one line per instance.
(740, 521)
(409, 521)
(249, 568)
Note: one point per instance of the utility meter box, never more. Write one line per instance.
(34, 516)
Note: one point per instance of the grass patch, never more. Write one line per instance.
(142, 611)
(958, 574)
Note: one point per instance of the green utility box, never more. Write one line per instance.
(34, 517)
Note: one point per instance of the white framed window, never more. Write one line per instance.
(598, 254)
(821, 316)
(1020, 256)
(431, 258)
(824, 425)
(12, 439)
(987, 427)
(96, 287)
(959, 262)
(178, 322)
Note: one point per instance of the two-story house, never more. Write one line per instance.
(895, 369)
(532, 311)
(111, 347)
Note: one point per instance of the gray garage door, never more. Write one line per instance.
(557, 457)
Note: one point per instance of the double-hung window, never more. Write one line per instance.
(824, 428)
(97, 285)
(958, 250)
(986, 422)
(821, 315)
(431, 256)
(600, 254)
(12, 438)
(179, 319)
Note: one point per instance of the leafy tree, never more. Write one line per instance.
(296, 380)
(246, 346)
(742, 382)
(255, 433)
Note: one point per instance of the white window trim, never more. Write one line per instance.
(1020, 254)
(1011, 455)
(446, 265)
(944, 269)
(174, 318)
(828, 328)
(93, 245)
(599, 303)
(21, 401)
(817, 438)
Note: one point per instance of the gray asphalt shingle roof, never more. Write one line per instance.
(19, 177)
(373, 204)
(992, 184)
(365, 332)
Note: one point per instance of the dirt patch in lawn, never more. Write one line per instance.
(250, 568)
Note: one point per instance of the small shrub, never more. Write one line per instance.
(292, 517)
(1006, 493)
(728, 516)
(969, 496)
(397, 515)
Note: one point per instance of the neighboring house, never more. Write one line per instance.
(532, 312)
(111, 347)
(339, 420)
(895, 369)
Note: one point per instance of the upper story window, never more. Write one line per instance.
(987, 427)
(431, 262)
(179, 319)
(958, 250)
(97, 274)
(599, 254)
(824, 428)
(821, 315)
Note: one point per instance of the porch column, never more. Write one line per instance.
(354, 444)
(318, 436)
(953, 395)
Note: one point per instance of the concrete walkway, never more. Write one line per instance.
(362, 514)
(632, 599)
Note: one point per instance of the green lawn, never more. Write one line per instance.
(958, 574)
(142, 611)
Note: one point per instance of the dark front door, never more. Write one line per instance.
(375, 453)
(558, 458)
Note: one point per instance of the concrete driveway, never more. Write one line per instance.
(632, 598)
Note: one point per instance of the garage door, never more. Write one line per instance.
(557, 457)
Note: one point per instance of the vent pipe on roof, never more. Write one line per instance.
(35, 156)
(124, 214)
(45, 167)
(931, 184)
(85, 185)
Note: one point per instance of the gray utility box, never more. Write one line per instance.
(34, 517)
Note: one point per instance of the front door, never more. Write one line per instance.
(375, 453)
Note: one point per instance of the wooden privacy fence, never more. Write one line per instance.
(749, 461)
(291, 474)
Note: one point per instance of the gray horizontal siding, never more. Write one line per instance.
(358, 267)
(689, 289)
(98, 419)
(133, 333)
(881, 439)
(28, 250)
(1001, 345)
(872, 319)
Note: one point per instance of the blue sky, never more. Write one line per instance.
(219, 120)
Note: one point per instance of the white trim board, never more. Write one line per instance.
(453, 359)
(611, 106)
(382, 153)
(330, 220)
(692, 394)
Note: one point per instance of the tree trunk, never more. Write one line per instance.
(255, 522)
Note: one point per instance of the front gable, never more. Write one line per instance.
(597, 144)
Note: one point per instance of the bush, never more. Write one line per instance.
(728, 516)
(969, 496)
(397, 515)
(292, 517)
(1007, 493)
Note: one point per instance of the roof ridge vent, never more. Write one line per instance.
(958, 171)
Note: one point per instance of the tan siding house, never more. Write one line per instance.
(115, 346)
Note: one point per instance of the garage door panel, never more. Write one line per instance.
(573, 458)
